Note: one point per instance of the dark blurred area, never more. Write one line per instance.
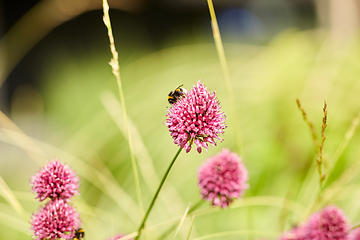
(140, 27)
(151, 23)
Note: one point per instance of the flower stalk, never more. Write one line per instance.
(318, 146)
(114, 63)
(157, 193)
(225, 69)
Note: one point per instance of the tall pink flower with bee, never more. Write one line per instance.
(196, 118)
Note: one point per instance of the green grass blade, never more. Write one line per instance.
(308, 189)
(14, 223)
(225, 70)
(110, 187)
(6, 123)
(344, 143)
(146, 165)
(268, 234)
(181, 222)
(272, 201)
(9, 196)
(192, 223)
(115, 110)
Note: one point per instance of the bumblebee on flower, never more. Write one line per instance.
(177, 94)
(196, 118)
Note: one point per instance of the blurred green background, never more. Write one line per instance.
(61, 101)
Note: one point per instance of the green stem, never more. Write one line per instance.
(192, 209)
(225, 69)
(157, 193)
(196, 205)
(192, 223)
(354, 227)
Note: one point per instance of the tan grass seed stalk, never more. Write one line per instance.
(114, 63)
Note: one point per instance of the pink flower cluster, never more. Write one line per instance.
(117, 237)
(355, 234)
(330, 223)
(296, 233)
(196, 118)
(223, 178)
(55, 180)
(57, 219)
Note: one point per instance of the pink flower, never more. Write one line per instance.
(196, 118)
(56, 220)
(55, 180)
(330, 223)
(354, 234)
(117, 237)
(223, 178)
(297, 233)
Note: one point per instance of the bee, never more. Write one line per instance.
(175, 95)
(79, 234)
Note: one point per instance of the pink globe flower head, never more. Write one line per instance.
(56, 220)
(297, 233)
(119, 236)
(354, 234)
(55, 180)
(223, 178)
(330, 223)
(196, 118)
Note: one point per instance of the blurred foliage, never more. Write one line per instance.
(78, 129)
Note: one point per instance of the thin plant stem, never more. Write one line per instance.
(348, 135)
(354, 227)
(157, 193)
(318, 147)
(268, 234)
(8, 195)
(273, 201)
(181, 222)
(192, 223)
(314, 204)
(225, 70)
(165, 234)
(112, 229)
(344, 143)
(196, 205)
(311, 125)
(323, 137)
(192, 209)
(114, 63)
